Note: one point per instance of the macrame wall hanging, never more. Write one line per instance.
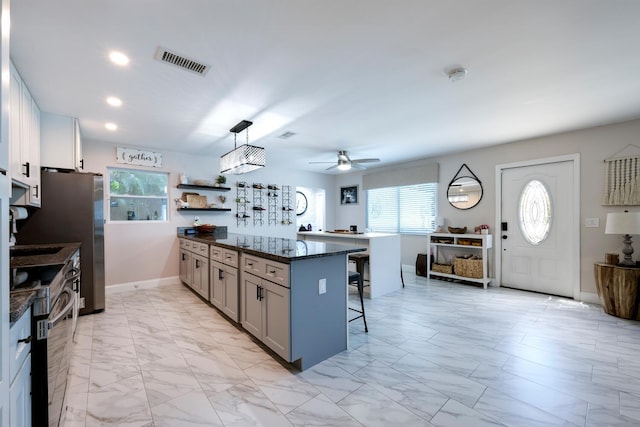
(622, 177)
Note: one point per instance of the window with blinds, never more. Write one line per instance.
(409, 209)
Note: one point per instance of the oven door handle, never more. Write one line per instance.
(52, 323)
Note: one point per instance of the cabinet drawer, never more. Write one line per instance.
(185, 244)
(230, 257)
(216, 253)
(252, 264)
(18, 351)
(200, 248)
(276, 272)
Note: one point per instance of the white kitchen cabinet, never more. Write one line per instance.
(265, 311)
(24, 142)
(20, 397)
(20, 372)
(61, 143)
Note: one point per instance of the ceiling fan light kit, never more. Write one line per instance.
(345, 163)
(245, 158)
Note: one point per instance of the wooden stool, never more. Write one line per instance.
(355, 278)
(360, 259)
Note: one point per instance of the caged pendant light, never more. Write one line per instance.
(245, 158)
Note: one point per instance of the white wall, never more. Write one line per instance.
(594, 145)
(140, 251)
(148, 251)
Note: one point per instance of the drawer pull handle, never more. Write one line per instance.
(250, 264)
(26, 340)
(272, 272)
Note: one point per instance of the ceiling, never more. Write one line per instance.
(367, 76)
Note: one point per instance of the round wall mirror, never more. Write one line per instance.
(464, 192)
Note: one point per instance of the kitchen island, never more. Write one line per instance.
(290, 294)
(384, 256)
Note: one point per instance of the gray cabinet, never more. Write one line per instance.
(194, 266)
(186, 273)
(223, 292)
(20, 372)
(265, 308)
(224, 286)
(200, 282)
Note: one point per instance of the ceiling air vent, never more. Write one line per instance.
(173, 58)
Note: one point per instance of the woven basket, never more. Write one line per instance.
(457, 230)
(468, 267)
(442, 268)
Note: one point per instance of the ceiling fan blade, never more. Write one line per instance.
(331, 167)
(319, 162)
(365, 161)
(355, 165)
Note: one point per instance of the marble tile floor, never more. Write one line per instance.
(437, 354)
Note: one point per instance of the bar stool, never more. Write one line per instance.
(356, 278)
(360, 259)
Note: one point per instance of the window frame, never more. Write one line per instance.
(401, 225)
(110, 195)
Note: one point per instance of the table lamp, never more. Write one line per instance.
(625, 223)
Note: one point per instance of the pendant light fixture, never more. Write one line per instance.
(242, 159)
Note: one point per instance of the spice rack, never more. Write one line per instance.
(445, 246)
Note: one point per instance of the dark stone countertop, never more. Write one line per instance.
(20, 299)
(59, 257)
(275, 248)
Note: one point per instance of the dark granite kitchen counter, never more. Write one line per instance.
(274, 248)
(20, 299)
(59, 257)
(19, 302)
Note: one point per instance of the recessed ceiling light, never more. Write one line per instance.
(114, 101)
(118, 58)
(111, 126)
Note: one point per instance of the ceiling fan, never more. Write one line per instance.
(345, 163)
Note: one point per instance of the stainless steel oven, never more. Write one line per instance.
(51, 350)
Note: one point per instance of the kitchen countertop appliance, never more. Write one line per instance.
(72, 211)
(54, 315)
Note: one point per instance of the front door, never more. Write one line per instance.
(537, 228)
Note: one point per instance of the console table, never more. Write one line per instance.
(619, 290)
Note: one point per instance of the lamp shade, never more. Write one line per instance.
(242, 159)
(623, 223)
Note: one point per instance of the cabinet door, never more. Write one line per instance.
(251, 310)
(186, 272)
(35, 198)
(275, 318)
(77, 146)
(230, 307)
(20, 397)
(217, 288)
(15, 126)
(200, 282)
(25, 134)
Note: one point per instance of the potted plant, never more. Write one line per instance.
(222, 200)
(220, 180)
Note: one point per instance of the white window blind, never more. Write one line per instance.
(409, 209)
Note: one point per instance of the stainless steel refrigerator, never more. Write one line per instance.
(73, 211)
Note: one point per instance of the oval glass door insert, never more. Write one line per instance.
(535, 212)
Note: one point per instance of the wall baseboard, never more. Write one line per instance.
(589, 297)
(146, 284)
